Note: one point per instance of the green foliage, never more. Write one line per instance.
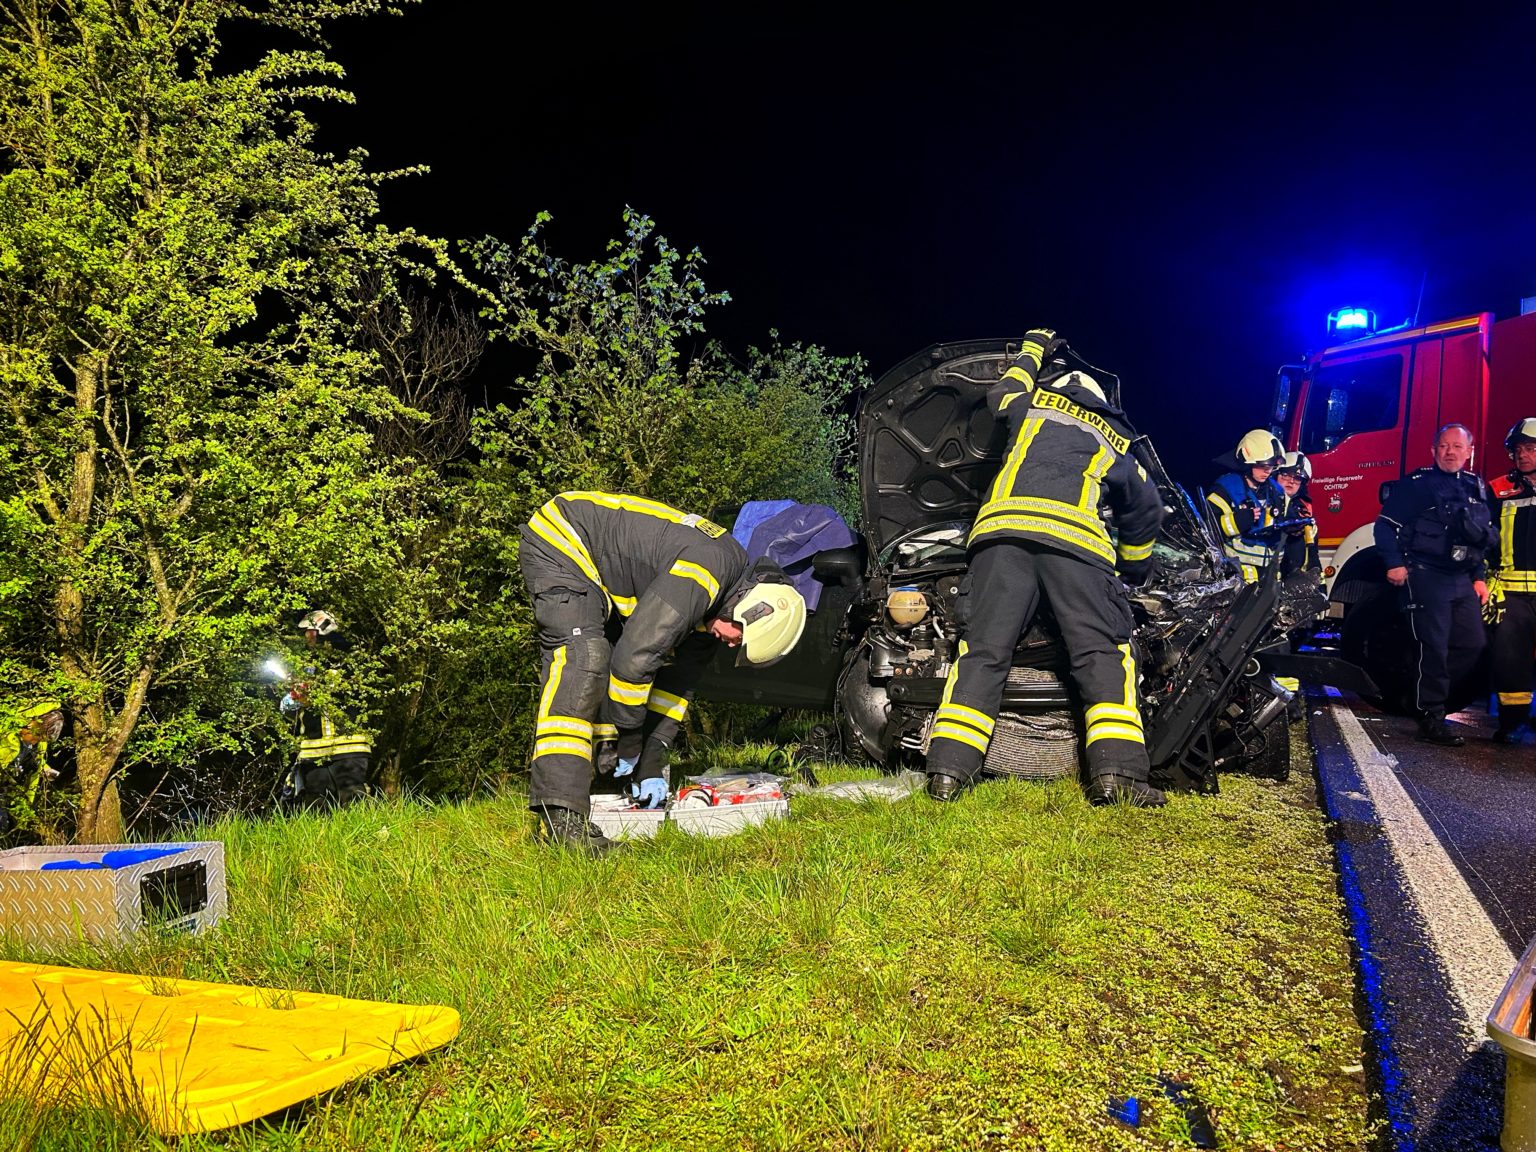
(181, 392)
(619, 400)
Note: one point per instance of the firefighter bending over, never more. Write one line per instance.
(679, 584)
(1040, 531)
(1511, 606)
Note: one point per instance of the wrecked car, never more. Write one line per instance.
(893, 608)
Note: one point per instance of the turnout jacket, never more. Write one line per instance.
(1244, 512)
(664, 571)
(1512, 500)
(1068, 452)
(1436, 519)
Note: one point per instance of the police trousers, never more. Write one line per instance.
(1447, 623)
(1007, 579)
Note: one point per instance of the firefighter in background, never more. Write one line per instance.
(1511, 605)
(332, 765)
(24, 752)
(677, 586)
(1299, 545)
(1432, 535)
(1040, 531)
(1247, 501)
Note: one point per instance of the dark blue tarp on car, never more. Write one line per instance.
(791, 536)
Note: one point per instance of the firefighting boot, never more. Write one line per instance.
(1111, 788)
(567, 829)
(1513, 719)
(945, 788)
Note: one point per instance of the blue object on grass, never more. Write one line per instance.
(1126, 1109)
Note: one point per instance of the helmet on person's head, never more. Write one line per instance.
(1524, 432)
(1260, 447)
(771, 613)
(1295, 464)
(1079, 380)
(321, 623)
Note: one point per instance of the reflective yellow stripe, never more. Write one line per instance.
(1093, 479)
(324, 747)
(1056, 402)
(1134, 551)
(1518, 581)
(1107, 731)
(625, 604)
(1224, 514)
(624, 692)
(1035, 352)
(1099, 547)
(552, 685)
(1003, 485)
(1128, 662)
(960, 713)
(629, 504)
(560, 747)
(1098, 713)
(1507, 535)
(601, 732)
(958, 732)
(548, 525)
(698, 574)
(1059, 509)
(670, 706)
(570, 725)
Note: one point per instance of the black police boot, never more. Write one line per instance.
(1111, 788)
(569, 829)
(1435, 730)
(942, 787)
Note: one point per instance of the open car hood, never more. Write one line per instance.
(928, 446)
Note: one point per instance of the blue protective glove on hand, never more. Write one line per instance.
(650, 793)
(624, 767)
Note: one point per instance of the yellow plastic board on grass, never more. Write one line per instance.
(190, 1055)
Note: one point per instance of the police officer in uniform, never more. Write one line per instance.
(677, 585)
(1247, 501)
(1040, 532)
(1432, 534)
(1512, 587)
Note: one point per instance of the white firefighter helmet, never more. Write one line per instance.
(772, 617)
(1524, 430)
(1081, 380)
(1259, 447)
(321, 623)
(1297, 464)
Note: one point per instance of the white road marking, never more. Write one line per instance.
(1468, 946)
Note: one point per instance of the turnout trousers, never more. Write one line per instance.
(572, 615)
(1514, 642)
(1007, 579)
(1447, 623)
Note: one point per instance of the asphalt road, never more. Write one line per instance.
(1436, 849)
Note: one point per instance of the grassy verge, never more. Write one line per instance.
(865, 975)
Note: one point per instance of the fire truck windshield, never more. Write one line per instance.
(1357, 396)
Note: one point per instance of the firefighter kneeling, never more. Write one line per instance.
(1040, 531)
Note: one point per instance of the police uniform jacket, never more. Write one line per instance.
(1513, 504)
(664, 571)
(1069, 451)
(1439, 520)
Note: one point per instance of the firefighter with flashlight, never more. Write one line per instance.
(1511, 604)
(1040, 532)
(331, 769)
(674, 585)
(1248, 502)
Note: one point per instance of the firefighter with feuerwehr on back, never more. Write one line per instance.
(1511, 606)
(1041, 532)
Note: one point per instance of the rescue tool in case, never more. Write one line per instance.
(704, 806)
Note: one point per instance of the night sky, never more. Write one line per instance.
(1183, 198)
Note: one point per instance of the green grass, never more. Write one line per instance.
(862, 976)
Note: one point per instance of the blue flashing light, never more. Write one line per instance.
(1351, 322)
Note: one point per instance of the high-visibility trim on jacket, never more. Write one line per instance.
(1229, 493)
(1514, 506)
(628, 692)
(666, 704)
(700, 575)
(330, 742)
(1069, 452)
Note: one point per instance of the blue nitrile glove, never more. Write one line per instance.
(623, 768)
(651, 793)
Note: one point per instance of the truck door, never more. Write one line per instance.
(1351, 429)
